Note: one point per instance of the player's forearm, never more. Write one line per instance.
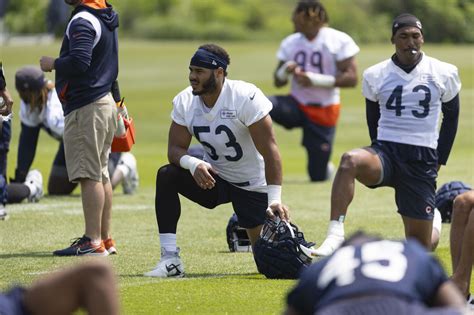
(448, 129)
(175, 153)
(346, 78)
(273, 167)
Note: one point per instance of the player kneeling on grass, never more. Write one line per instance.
(368, 275)
(404, 98)
(241, 164)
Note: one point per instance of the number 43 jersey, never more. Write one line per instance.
(223, 130)
(410, 103)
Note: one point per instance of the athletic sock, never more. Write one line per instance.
(437, 223)
(168, 242)
(336, 228)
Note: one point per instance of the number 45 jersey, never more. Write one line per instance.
(410, 103)
(223, 130)
(384, 268)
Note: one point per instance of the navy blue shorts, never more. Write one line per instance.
(250, 206)
(387, 305)
(412, 172)
(11, 302)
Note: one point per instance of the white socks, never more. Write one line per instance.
(168, 241)
(336, 228)
(437, 223)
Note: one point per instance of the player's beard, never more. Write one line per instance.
(210, 86)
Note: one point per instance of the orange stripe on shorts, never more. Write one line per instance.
(325, 116)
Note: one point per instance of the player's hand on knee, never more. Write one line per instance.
(203, 176)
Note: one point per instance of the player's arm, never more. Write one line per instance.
(283, 72)
(264, 140)
(372, 114)
(346, 76)
(347, 73)
(7, 99)
(179, 139)
(448, 129)
(449, 295)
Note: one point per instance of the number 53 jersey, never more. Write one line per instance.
(223, 130)
(410, 103)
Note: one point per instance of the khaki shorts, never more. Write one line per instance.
(88, 135)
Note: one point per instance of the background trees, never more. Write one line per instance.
(366, 20)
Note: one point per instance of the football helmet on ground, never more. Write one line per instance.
(281, 252)
(445, 197)
(237, 237)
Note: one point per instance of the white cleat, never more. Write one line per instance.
(34, 181)
(330, 244)
(3, 213)
(169, 266)
(130, 182)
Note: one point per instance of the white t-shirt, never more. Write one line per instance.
(410, 103)
(319, 55)
(51, 116)
(224, 133)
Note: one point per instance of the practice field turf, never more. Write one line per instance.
(217, 281)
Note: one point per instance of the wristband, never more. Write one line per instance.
(190, 163)
(282, 74)
(322, 80)
(274, 194)
(3, 83)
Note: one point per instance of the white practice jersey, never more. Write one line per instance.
(319, 56)
(223, 131)
(410, 103)
(51, 117)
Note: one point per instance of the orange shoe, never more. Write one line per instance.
(110, 246)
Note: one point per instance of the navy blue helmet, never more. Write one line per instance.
(281, 252)
(445, 197)
(237, 237)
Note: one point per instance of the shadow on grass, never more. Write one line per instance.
(250, 275)
(32, 255)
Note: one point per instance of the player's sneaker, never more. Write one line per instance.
(470, 302)
(3, 213)
(34, 181)
(330, 244)
(170, 265)
(130, 181)
(110, 246)
(83, 246)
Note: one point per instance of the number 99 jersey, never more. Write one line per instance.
(382, 267)
(223, 131)
(410, 103)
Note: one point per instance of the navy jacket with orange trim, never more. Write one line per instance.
(86, 70)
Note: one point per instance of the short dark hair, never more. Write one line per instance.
(219, 51)
(313, 8)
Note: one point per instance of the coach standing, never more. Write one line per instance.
(85, 70)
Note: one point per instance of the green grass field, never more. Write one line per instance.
(217, 282)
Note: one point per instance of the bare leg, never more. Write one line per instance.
(93, 201)
(107, 211)
(91, 286)
(254, 234)
(117, 177)
(361, 164)
(462, 240)
(419, 229)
